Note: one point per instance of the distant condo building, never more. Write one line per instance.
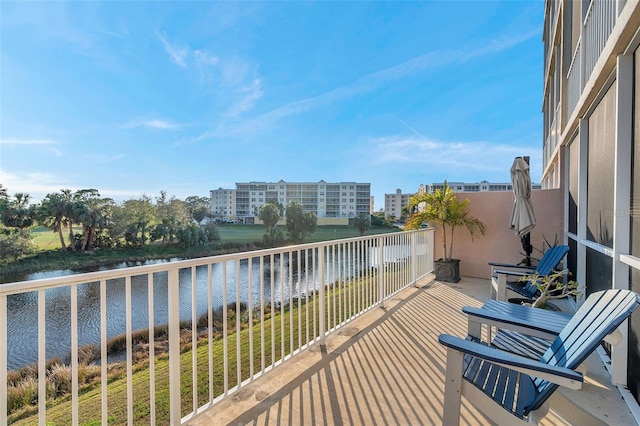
(223, 203)
(483, 186)
(395, 203)
(329, 201)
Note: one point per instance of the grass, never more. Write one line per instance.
(232, 238)
(283, 326)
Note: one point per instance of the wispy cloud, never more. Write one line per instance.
(38, 185)
(372, 81)
(48, 144)
(105, 158)
(177, 55)
(203, 62)
(448, 155)
(23, 142)
(154, 123)
(35, 184)
(249, 95)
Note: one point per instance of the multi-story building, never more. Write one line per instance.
(591, 149)
(223, 203)
(483, 186)
(395, 203)
(342, 200)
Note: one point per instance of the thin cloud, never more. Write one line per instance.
(203, 62)
(370, 82)
(451, 155)
(35, 184)
(177, 55)
(25, 142)
(249, 96)
(38, 185)
(47, 144)
(105, 158)
(154, 123)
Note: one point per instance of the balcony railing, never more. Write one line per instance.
(228, 319)
(600, 20)
(597, 27)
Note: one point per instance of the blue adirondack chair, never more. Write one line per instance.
(520, 329)
(500, 286)
(511, 389)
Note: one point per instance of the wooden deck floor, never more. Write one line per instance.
(387, 367)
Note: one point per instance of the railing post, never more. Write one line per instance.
(321, 291)
(414, 259)
(174, 347)
(381, 271)
(3, 359)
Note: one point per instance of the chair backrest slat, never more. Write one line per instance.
(551, 258)
(598, 316)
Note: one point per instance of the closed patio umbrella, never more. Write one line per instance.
(522, 218)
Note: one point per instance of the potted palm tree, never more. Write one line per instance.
(444, 208)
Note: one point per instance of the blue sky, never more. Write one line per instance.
(137, 97)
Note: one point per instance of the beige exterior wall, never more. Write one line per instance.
(500, 244)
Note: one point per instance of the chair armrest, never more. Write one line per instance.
(554, 374)
(544, 329)
(510, 265)
(514, 273)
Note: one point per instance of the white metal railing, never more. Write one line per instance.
(278, 303)
(552, 138)
(598, 24)
(574, 88)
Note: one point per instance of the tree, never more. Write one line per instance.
(67, 196)
(51, 214)
(446, 209)
(300, 224)
(139, 215)
(270, 215)
(18, 213)
(191, 235)
(198, 207)
(90, 210)
(171, 215)
(14, 247)
(362, 223)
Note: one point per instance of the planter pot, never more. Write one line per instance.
(447, 270)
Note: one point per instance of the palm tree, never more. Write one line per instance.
(270, 215)
(18, 213)
(52, 214)
(362, 222)
(3, 192)
(444, 208)
(67, 200)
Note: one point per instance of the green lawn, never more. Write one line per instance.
(252, 233)
(46, 239)
(288, 325)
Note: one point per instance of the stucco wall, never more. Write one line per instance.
(500, 243)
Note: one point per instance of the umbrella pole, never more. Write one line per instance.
(528, 248)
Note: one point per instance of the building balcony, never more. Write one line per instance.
(339, 332)
(387, 367)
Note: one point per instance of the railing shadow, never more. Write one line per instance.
(386, 371)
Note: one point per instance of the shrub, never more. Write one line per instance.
(212, 232)
(23, 393)
(14, 247)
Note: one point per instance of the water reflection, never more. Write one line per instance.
(23, 308)
(244, 280)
